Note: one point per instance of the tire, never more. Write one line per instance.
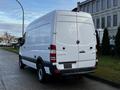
(21, 65)
(41, 73)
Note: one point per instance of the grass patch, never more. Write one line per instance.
(15, 50)
(108, 68)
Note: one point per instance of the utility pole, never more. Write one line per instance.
(22, 16)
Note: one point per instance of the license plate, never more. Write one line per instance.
(67, 65)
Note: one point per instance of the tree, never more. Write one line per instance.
(98, 41)
(8, 37)
(105, 43)
(117, 42)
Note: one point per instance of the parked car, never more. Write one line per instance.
(60, 43)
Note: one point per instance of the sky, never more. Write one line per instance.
(11, 14)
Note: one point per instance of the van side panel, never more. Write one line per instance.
(37, 44)
(39, 36)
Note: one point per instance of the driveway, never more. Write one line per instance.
(12, 78)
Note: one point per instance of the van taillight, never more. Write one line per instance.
(53, 53)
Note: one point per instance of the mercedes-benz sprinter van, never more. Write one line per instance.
(61, 42)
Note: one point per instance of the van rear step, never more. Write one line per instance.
(77, 71)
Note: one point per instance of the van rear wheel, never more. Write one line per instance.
(21, 65)
(41, 73)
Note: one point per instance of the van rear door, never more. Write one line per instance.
(75, 41)
(66, 37)
(87, 42)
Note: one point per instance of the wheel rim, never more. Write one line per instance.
(40, 73)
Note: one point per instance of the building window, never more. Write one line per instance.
(108, 21)
(94, 7)
(84, 8)
(88, 8)
(103, 22)
(115, 2)
(103, 4)
(108, 3)
(114, 20)
(97, 5)
(81, 8)
(97, 23)
(94, 21)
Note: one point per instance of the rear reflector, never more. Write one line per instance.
(53, 47)
(53, 57)
(53, 53)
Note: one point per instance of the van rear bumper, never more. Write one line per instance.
(77, 71)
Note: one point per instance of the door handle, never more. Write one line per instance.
(82, 52)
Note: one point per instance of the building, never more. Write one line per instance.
(106, 13)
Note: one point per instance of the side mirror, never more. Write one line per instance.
(21, 41)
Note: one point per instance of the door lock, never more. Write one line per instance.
(77, 42)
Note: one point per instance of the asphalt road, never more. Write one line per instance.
(12, 78)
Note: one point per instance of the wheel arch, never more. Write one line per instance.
(39, 61)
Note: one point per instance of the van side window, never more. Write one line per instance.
(39, 35)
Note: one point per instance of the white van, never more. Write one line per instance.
(60, 43)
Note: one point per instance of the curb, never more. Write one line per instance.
(10, 51)
(13, 52)
(117, 85)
